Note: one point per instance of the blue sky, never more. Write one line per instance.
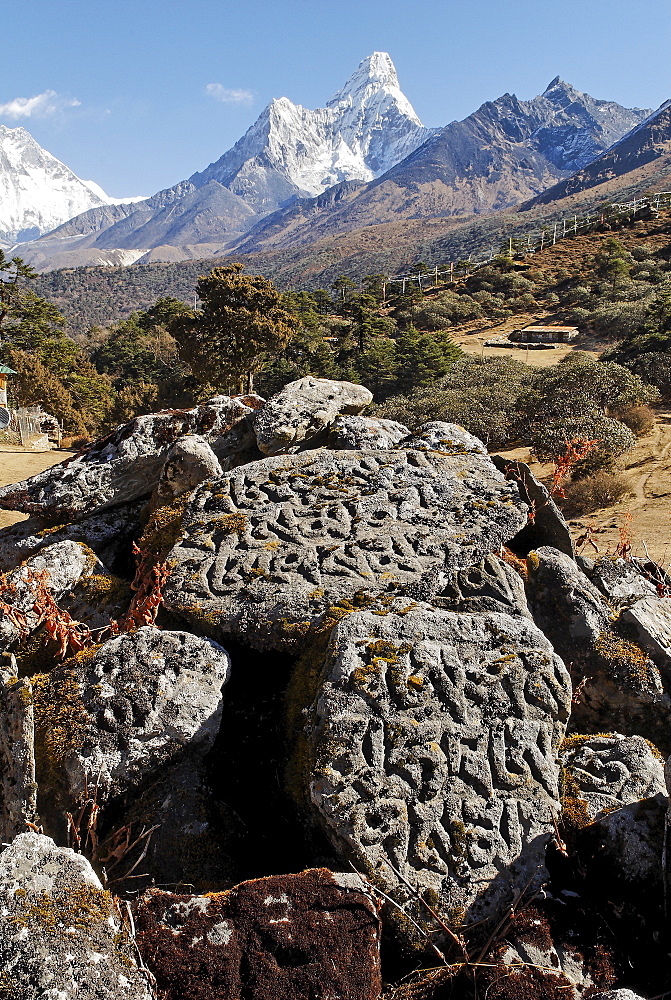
(139, 94)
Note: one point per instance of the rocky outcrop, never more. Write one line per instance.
(61, 934)
(304, 409)
(117, 716)
(617, 685)
(432, 749)
(267, 548)
(127, 464)
(316, 934)
(392, 706)
(546, 524)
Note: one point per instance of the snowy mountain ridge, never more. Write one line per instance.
(365, 128)
(37, 191)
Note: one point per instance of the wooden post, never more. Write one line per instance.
(451, 270)
(436, 281)
(403, 286)
(575, 223)
(554, 235)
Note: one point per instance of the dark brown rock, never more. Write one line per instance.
(314, 935)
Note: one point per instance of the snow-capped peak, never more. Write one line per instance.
(364, 129)
(376, 70)
(37, 191)
(108, 200)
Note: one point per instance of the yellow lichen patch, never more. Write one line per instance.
(164, 528)
(415, 682)
(101, 589)
(626, 658)
(228, 524)
(656, 753)
(76, 910)
(575, 814)
(61, 720)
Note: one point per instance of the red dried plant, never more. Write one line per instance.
(576, 449)
(147, 586)
(623, 550)
(60, 626)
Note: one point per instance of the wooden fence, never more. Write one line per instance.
(533, 242)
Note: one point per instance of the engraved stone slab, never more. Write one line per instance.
(140, 702)
(613, 788)
(433, 742)
(277, 542)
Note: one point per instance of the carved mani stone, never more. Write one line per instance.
(432, 746)
(269, 546)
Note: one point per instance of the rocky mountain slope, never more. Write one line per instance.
(644, 153)
(37, 191)
(496, 158)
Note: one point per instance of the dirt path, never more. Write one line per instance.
(17, 464)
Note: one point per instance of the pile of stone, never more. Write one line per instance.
(382, 700)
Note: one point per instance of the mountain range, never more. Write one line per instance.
(364, 160)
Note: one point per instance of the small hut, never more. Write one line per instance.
(545, 334)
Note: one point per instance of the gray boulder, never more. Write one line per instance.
(303, 409)
(618, 687)
(116, 716)
(58, 568)
(615, 785)
(61, 935)
(448, 439)
(564, 603)
(267, 548)
(621, 581)
(126, 464)
(432, 746)
(108, 535)
(18, 790)
(546, 524)
(369, 433)
(189, 462)
(650, 620)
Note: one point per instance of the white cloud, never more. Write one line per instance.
(228, 96)
(47, 103)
